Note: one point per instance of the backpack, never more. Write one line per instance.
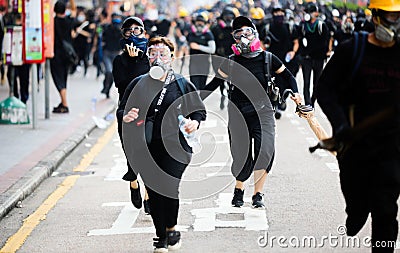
(271, 89)
(358, 50)
(319, 24)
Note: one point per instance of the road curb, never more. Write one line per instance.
(44, 168)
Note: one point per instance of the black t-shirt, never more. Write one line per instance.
(111, 37)
(223, 40)
(247, 81)
(281, 39)
(201, 39)
(375, 86)
(314, 40)
(62, 31)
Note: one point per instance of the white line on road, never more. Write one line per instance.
(124, 222)
(333, 167)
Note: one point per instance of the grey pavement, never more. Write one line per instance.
(28, 155)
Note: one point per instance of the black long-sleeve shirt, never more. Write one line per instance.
(126, 68)
(144, 92)
(374, 87)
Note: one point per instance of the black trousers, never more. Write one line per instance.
(262, 132)
(370, 182)
(130, 175)
(164, 209)
(21, 73)
(308, 65)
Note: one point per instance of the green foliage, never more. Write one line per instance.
(348, 5)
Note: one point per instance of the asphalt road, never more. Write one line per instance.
(84, 206)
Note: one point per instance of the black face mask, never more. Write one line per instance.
(278, 19)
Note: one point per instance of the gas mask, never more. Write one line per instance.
(348, 27)
(388, 33)
(162, 60)
(245, 46)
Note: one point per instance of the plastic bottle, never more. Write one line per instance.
(190, 138)
(287, 57)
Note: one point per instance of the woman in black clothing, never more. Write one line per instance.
(251, 111)
(161, 157)
(130, 64)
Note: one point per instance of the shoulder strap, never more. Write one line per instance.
(181, 85)
(358, 51)
(267, 65)
(320, 26)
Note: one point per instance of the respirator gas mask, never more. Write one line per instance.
(388, 30)
(248, 41)
(161, 56)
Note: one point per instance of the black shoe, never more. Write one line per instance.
(136, 198)
(278, 114)
(237, 200)
(146, 206)
(160, 245)
(61, 109)
(258, 201)
(355, 223)
(58, 106)
(174, 240)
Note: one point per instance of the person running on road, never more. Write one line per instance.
(132, 63)
(256, 115)
(161, 165)
(362, 103)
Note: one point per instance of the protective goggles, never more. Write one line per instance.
(243, 32)
(135, 31)
(162, 52)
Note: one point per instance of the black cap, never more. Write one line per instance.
(311, 7)
(241, 21)
(132, 20)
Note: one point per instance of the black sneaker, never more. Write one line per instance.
(174, 240)
(258, 201)
(278, 114)
(160, 245)
(136, 198)
(237, 200)
(61, 109)
(146, 206)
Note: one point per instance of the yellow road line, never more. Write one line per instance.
(17, 240)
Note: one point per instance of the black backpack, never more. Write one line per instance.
(271, 88)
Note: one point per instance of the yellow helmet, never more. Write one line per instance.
(257, 13)
(385, 5)
(182, 12)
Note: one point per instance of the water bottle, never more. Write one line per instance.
(287, 57)
(190, 138)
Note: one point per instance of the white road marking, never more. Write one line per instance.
(117, 171)
(333, 167)
(206, 220)
(126, 219)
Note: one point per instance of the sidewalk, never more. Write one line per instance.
(28, 155)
